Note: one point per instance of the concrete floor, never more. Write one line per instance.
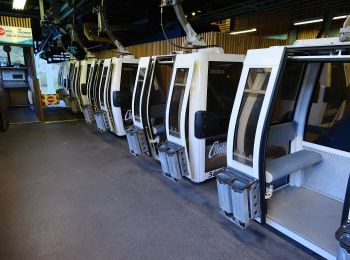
(68, 192)
(21, 114)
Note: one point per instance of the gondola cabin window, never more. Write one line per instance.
(140, 80)
(103, 83)
(248, 115)
(328, 122)
(176, 101)
(223, 79)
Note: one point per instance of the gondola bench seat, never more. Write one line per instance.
(283, 166)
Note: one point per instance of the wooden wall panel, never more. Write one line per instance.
(237, 44)
(15, 21)
(308, 31)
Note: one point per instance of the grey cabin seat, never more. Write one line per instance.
(283, 166)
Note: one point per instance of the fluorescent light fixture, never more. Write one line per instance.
(18, 4)
(339, 17)
(244, 31)
(309, 21)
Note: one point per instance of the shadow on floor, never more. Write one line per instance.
(60, 114)
(21, 115)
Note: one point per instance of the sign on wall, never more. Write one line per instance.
(16, 35)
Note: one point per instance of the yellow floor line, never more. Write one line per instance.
(22, 123)
(62, 121)
(48, 122)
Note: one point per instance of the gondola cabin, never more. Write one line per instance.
(202, 92)
(84, 72)
(88, 110)
(116, 94)
(70, 82)
(102, 118)
(75, 87)
(149, 105)
(63, 77)
(288, 152)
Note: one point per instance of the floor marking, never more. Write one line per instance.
(47, 122)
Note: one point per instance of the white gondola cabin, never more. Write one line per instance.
(202, 92)
(288, 152)
(116, 94)
(149, 105)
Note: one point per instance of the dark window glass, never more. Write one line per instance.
(248, 114)
(78, 82)
(223, 79)
(108, 93)
(328, 122)
(103, 86)
(177, 101)
(97, 82)
(88, 73)
(287, 93)
(138, 92)
(70, 77)
(75, 74)
(127, 80)
(127, 83)
(91, 81)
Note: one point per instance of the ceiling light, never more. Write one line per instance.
(244, 31)
(18, 4)
(339, 17)
(309, 21)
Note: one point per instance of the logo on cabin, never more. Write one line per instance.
(217, 150)
(2, 31)
(128, 116)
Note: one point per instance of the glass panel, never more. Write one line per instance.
(78, 81)
(140, 80)
(223, 79)
(91, 81)
(127, 83)
(287, 93)
(70, 74)
(88, 73)
(74, 80)
(127, 80)
(15, 57)
(176, 101)
(248, 114)
(108, 91)
(103, 85)
(328, 122)
(97, 81)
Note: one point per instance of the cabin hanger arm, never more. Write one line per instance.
(104, 26)
(192, 37)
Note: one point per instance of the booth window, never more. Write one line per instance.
(12, 57)
(328, 121)
(177, 101)
(248, 114)
(140, 80)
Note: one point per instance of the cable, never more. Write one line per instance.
(175, 45)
